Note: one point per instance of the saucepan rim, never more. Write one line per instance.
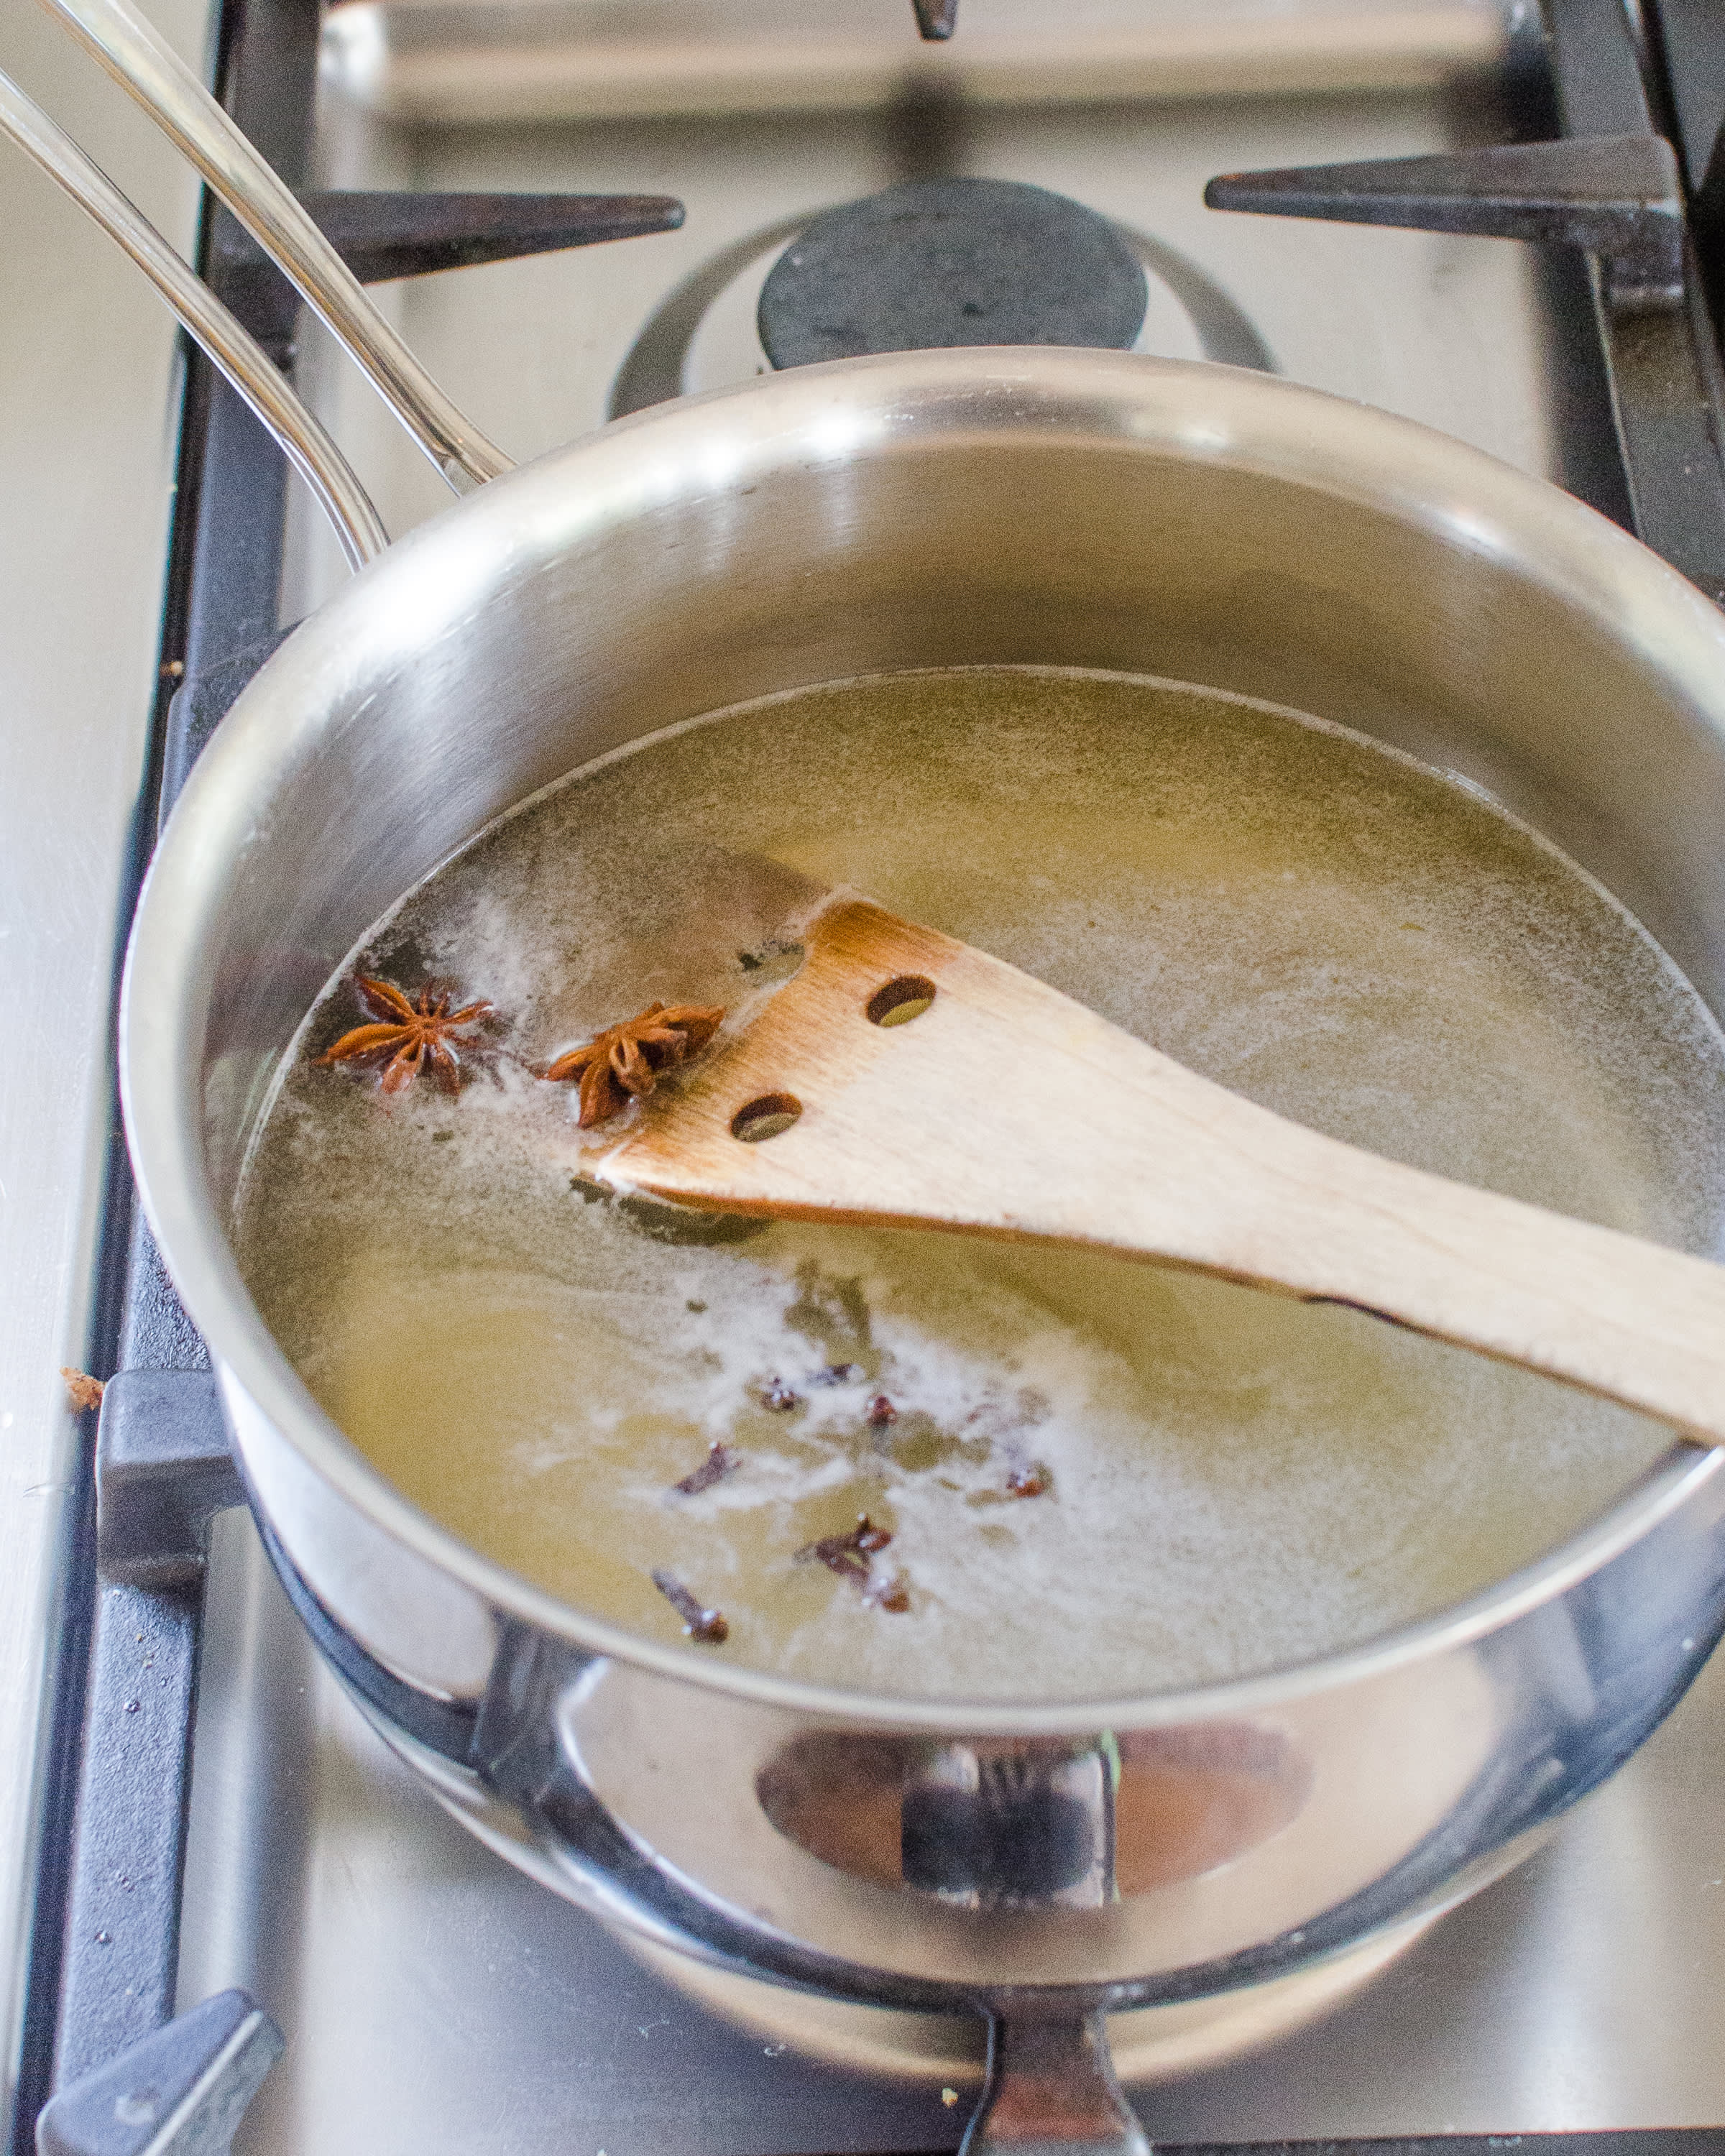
(1225, 416)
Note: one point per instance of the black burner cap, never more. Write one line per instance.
(952, 262)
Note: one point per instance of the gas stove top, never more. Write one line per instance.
(432, 1998)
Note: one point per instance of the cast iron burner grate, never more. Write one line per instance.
(937, 262)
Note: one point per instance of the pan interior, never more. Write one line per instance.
(1096, 1476)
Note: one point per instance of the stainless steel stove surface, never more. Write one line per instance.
(434, 1999)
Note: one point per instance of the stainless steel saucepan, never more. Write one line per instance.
(934, 508)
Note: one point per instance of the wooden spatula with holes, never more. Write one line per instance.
(901, 1078)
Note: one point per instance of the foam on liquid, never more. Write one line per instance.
(1237, 1481)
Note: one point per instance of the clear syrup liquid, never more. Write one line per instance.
(1232, 1480)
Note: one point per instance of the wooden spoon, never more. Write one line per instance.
(901, 1078)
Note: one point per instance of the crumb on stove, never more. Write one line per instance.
(84, 1391)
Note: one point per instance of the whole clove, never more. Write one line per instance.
(848, 1554)
(707, 1625)
(779, 1396)
(720, 1462)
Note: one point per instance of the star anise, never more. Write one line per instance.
(408, 1034)
(624, 1062)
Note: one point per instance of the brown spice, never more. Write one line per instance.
(848, 1554)
(881, 1413)
(707, 1625)
(1032, 1481)
(407, 1035)
(84, 1391)
(720, 1461)
(779, 1396)
(623, 1063)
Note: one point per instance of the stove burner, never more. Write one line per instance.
(945, 262)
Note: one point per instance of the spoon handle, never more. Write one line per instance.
(145, 65)
(229, 344)
(1006, 1109)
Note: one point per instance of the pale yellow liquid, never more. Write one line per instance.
(1237, 1481)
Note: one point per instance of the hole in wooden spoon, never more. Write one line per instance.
(765, 1117)
(901, 1000)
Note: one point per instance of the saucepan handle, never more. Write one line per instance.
(148, 68)
(238, 354)
(1051, 2091)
